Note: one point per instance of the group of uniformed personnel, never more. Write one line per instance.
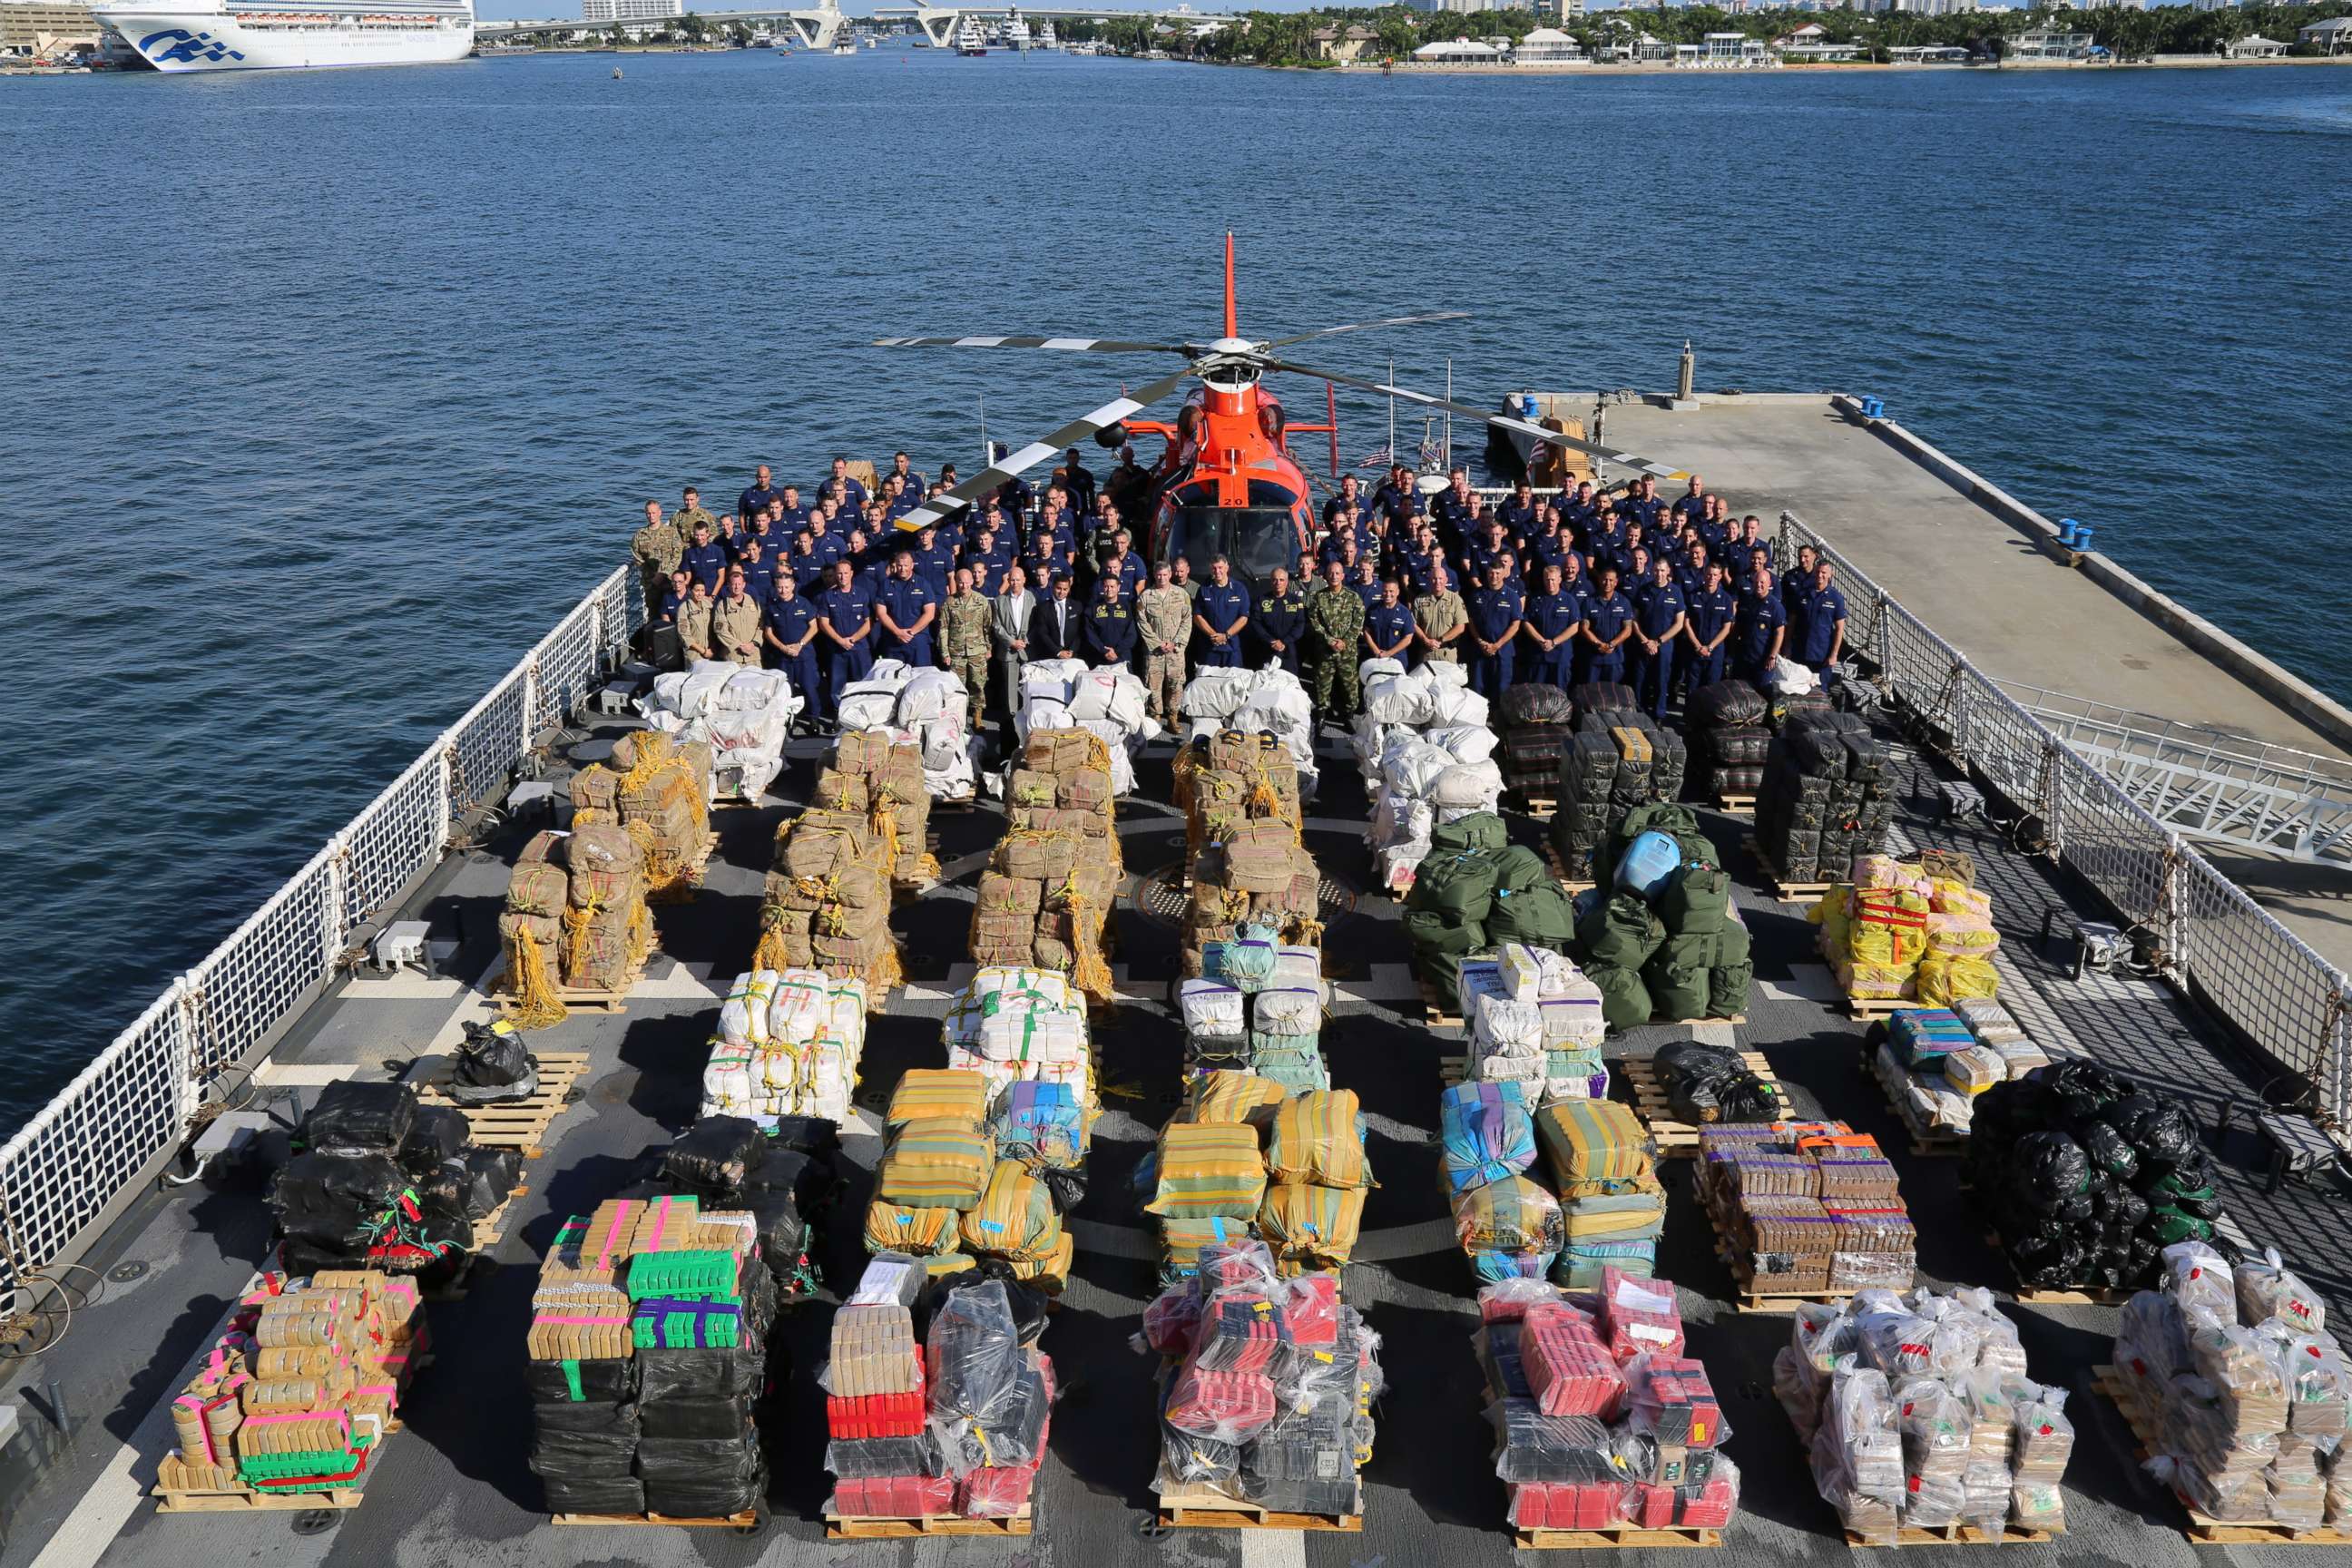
(1587, 586)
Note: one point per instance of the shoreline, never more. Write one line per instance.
(1667, 67)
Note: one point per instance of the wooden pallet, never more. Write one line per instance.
(1736, 805)
(518, 1123)
(1432, 1014)
(863, 1527)
(1559, 872)
(1926, 1142)
(1873, 1007)
(2062, 1296)
(956, 803)
(1539, 806)
(1675, 1139)
(1610, 1536)
(1209, 1510)
(1786, 891)
(2203, 1529)
(491, 1228)
(702, 860)
(746, 1522)
(1952, 1535)
(583, 998)
(255, 1502)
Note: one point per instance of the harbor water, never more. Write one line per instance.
(328, 392)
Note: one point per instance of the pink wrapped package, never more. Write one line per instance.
(893, 1496)
(1638, 1316)
(1570, 1371)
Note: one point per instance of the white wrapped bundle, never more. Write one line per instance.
(1463, 742)
(743, 1016)
(1458, 706)
(1519, 1068)
(702, 682)
(1032, 1036)
(1381, 668)
(2019, 1057)
(778, 1072)
(997, 1075)
(866, 705)
(727, 1086)
(1441, 673)
(1401, 819)
(1503, 1028)
(1466, 786)
(1987, 1020)
(1395, 864)
(1044, 713)
(1217, 692)
(1573, 1020)
(1211, 1007)
(800, 1006)
(1400, 700)
(1412, 766)
(1116, 695)
(1040, 988)
(927, 694)
(845, 1004)
(1122, 745)
(941, 739)
(1287, 1010)
(1299, 966)
(1593, 1085)
(892, 673)
(1529, 974)
(960, 779)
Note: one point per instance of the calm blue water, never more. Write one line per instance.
(328, 392)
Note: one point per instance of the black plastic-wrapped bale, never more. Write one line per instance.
(490, 1176)
(1602, 697)
(351, 1117)
(1706, 1083)
(567, 1453)
(602, 1382)
(327, 1198)
(1531, 702)
(711, 1373)
(703, 1477)
(693, 1418)
(1728, 705)
(492, 1066)
(872, 1458)
(715, 1156)
(618, 1496)
(439, 1134)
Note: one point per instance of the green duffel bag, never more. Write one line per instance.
(1435, 935)
(1460, 886)
(1623, 931)
(1698, 902)
(1624, 1000)
(1539, 916)
(1678, 991)
(1518, 866)
(1731, 943)
(1479, 830)
(1726, 989)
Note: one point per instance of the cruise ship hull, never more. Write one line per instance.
(189, 38)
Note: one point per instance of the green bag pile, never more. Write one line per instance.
(1476, 890)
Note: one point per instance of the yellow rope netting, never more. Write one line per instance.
(1089, 973)
(576, 921)
(535, 1003)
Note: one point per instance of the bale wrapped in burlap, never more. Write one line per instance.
(596, 788)
(827, 902)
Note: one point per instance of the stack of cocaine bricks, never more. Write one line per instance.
(1595, 1204)
(299, 1389)
(1602, 1417)
(1619, 758)
(1537, 722)
(1729, 736)
(1934, 1061)
(1246, 1161)
(827, 902)
(1257, 1007)
(661, 793)
(1045, 900)
(1899, 929)
(1267, 1385)
(927, 709)
(647, 1352)
(936, 1413)
(1534, 1020)
(1108, 702)
(1226, 779)
(1827, 796)
(1427, 756)
(1025, 1032)
(575, 911)
(789, 1043)
(942, 1196)
(783, 1171)
(870, 774)
(1806, 1208)
(377, 1182)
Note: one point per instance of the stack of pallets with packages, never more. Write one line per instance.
(648, 1349)
(1227, 779)
(1257, 1007)
(1617, 761)
(1535, 1020)
(1025, 1032)
(1934, 1061)
(1604, 1423)
(1537, 722)
(1804, 1209)
(575, 923)
(742, 716)
(927, 711)
(1604, 1170)
(885, 780)
(788, 1045)
(2086, 1177)
(1265, 1394)
(1663, 941)
(1426, 755)
(1247, 1161)
(377, 1182)
(1045, 903)
(1508, 1223)
(935, 1167)
(296, 1396)
(1826, 797)
(1242, 706)
(781, 1172)
(661, 794)
(1730, 737)
(2238, 1395)
(1898, 933)
(826, 905)
(1477, 892)
(1108, 702)
(1921, 1419)
(938, 1404)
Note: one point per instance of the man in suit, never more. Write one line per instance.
(1054, 627)
(1008, 629)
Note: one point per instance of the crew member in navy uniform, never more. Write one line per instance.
(1222, 614)
(1053, 629)
(1577, 511)
(1123, 565)
(1497, 611)
(1078, 480)
(1491, 547)
(1547, 544)
(1690, 568)
(934, 561)
(1817, 623)
(758, 571)
(1280, 622)
(849, 492)
(846, 611)
(1553, 616)
(753, 502)
(1607, 625)
(988, 561)
(795, 517)
(910, 482)
(1388, 625)
(1395, 495)
(1346, 498)
(1109, 629)
(1796, 586)
(1642, 502)
(1367, 581)
(906, 607)
(1454, 507)
(1739, 551)
(1706, 631)
(790, 630)
(1757, 629)
(704, 561)
(1044, 560)
(1658, 617)
(806, 565)
(1518, 509)
(1691, 506)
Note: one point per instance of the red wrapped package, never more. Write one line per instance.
(1228, 1406)
(875, 1415)
(1709, 1507)
(1649, 1505)
(1570, 1371)
(1638, 1316)
(894, 1496)
(1241, 1330)
(1670, 1398)
(996, 1491)
(1311, 1312)
(1171, 1321)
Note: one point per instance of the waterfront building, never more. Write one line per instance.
(48, 28)
(1549, 47)
(2051, 45)
(1344, 44)
(631, 10)
(2256, 48)
(1723, 51)
(2334, 35)
(1457, 52)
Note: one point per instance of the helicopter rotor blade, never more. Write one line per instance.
(1071, 345)
(1369, 326)
(944, 503)
(1487, 415)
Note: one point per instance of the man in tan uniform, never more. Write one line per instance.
(735, 622)
(1441, 618)
(657, 548)
(694, 623)
(964, 637)
(1163, 624)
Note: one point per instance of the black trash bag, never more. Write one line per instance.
(618, 1421)
(327, 1198)
(873, 1458)
(2047, 1169)
(716, 1155)
(2109, 1151)
(1537, 704)
(696, 1418)
(782, 1233)
(439, 1132)
(703, 1479)
(609, 1381)
(710, 1372)
(490, 1176)
(1728, 704)
(492, 1065)
(1067, 1188)
(2168, 1137)
(613, 1495)
(809, 1135)
(1706, 1083)
(582, 1454)
(1029, 1308)
(2079, 1090)
(354, 1118)
(808, 1178)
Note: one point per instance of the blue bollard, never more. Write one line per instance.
(2066, 527)
(2083, 537)
(1530, 407)
(1872, 408)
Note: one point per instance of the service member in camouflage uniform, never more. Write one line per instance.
(1443, 618)
(657, 547)
(690, 513)
(1163, 621)
(1335, 623)
(965, 637)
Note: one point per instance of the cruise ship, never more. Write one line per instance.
(291, 35)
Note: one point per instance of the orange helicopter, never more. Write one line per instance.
(1225, 483)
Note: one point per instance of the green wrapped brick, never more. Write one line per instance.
(697, 1275)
